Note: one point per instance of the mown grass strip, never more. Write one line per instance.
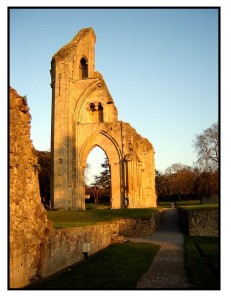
(200, 207)
(76, 218)
(118, 267)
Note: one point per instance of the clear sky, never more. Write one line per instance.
(160, 66)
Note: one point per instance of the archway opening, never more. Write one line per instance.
(97, 177)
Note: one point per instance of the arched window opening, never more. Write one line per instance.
(97, 178)
(100, 112)
(96, 112)
(92, 107)
(83, 68)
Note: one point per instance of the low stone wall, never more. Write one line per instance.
(61, 248)
(65, 247)
(140, 227)
(200, 222)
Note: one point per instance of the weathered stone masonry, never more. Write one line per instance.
(200, 222)
(84, 115)
(28, 222)
(36, 248)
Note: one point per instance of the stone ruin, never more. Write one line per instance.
(84, 116)
(28, 221)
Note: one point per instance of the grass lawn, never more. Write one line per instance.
(203, 206)
(117, 267)
(167, 204)
(77, 218)
(202, 260)
(188, 204)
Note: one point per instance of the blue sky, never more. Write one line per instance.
(160, 66)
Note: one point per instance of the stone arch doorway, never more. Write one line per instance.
(111, 149)
(97, 178)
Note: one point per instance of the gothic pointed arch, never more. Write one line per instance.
(105, 142)
(113, 153)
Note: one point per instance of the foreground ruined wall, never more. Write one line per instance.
(84, 115)
(28, 222)
(36, 249)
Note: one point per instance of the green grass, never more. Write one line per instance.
(79, 218)
(167, 204)
(202, 261)
(97, 206)
(188, 204)
(119, 266)
(204, 206)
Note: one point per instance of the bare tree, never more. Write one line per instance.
(206, 145)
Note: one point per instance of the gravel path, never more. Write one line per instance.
(167, 269)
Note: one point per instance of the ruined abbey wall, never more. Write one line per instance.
(28, 222)
(84, 115)
(36, 249)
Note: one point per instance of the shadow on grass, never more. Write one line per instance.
(202, 261)
(118, 267)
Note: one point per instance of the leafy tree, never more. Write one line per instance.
(206, 145)
(102, 182)
(180, 180)
(160, 183)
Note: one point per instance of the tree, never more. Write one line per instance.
(97, 191)
(160, 183)
(206, 145)
(103, 181)
(207, 184)
(180, 180)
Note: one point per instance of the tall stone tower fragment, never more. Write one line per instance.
(84, 116)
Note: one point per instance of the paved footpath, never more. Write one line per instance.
(167, 269)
